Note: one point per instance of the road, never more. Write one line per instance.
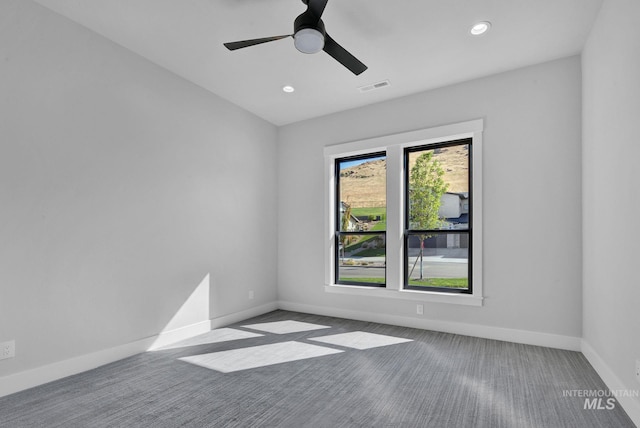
(432, 268)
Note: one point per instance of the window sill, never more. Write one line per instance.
(413, 295)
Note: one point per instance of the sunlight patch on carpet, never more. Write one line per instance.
(258, 356)
(360, 340)
(284, 327)
(213, 336)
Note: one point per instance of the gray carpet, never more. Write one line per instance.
(435, 380)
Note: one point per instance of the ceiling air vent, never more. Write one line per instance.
(378, 85)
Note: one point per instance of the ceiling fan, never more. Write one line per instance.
(309, 36)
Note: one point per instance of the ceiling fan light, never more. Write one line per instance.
(308, 40)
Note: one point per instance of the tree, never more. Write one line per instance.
(426, 187)
(344, 226)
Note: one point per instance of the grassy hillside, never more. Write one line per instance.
(364, 185)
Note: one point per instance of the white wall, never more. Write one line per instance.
(611, 193)
(532, 200)
(121, 188)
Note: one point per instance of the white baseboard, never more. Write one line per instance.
(40, 375)
(178, 334)
(497, 333)
(243, 315)
(54, 371)
(44, 374)
(629, 404)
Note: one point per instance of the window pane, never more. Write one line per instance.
(438, 260)
(439, 188)
(361, 259)
(362, 195)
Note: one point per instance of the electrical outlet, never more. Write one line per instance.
(638, 370)
(420, 309)
(251, 295)
(7, 349)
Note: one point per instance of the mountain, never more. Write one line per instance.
(364, 185)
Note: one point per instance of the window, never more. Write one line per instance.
(405, 214)
(361, 215)
(437, 212)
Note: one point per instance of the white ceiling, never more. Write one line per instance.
(416, 44)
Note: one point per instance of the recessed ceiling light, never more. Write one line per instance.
(480, 28)
(288, 89)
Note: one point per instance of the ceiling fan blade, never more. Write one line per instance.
(232, 46)
(317, 7)
(341, 55)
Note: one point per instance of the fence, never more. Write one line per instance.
(369, 204)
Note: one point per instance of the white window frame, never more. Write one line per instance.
(394, 146)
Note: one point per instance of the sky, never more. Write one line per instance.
(349, 164)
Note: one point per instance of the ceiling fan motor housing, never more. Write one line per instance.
(309, 33)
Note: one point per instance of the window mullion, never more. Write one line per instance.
(395, 201)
